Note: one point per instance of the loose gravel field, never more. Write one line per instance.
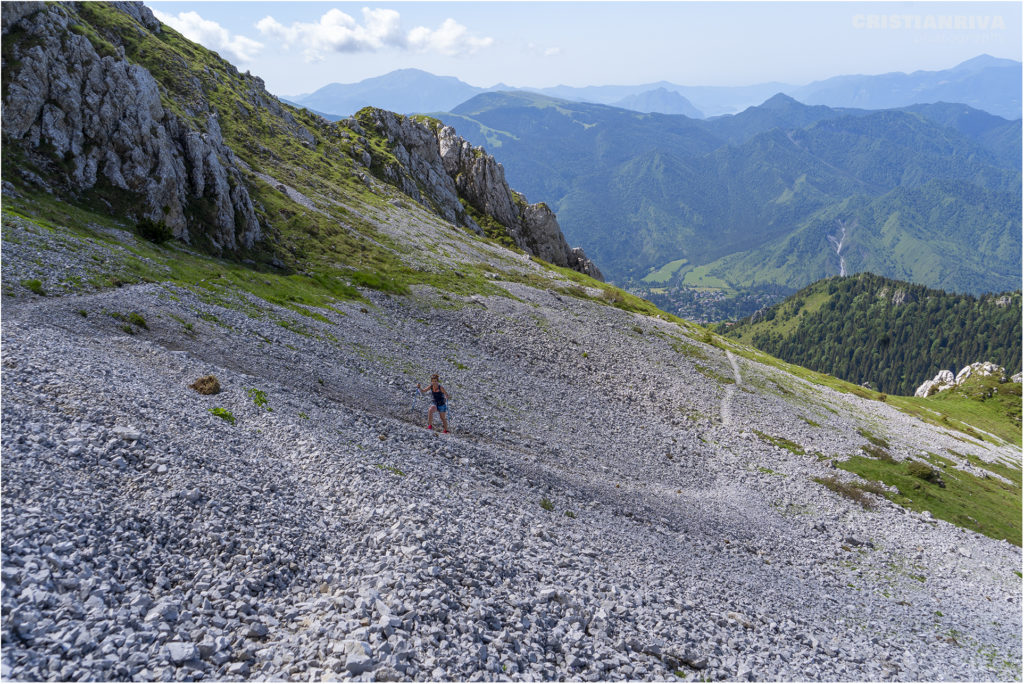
(607, 506)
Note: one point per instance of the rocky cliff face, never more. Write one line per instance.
(436, 167)
(97, 122)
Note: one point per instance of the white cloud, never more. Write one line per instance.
(212, 35)
(535, 49)
(380, 28)
(450, 39)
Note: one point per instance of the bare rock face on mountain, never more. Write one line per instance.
(438, 168)
(97, 122)
(945, 380)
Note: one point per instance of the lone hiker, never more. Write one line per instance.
(440, 402)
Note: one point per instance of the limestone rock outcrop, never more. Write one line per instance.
(945, 380)
(98, 121)
(441, 170)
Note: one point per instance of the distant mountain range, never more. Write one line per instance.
(986, 83)
(777, 196)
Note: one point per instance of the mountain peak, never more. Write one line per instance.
(984, 61)
(781, 101)
(660, 100)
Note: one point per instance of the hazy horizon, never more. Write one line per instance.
(638, 83)
(299, 47)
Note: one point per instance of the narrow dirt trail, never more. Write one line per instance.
(730, 390)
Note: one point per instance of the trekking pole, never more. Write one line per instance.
(415, 398)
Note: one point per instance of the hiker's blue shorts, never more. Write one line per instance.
(443, 408)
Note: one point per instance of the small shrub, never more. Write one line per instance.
(923, 471)
(208, 384)
(613, 297)
(154, 231)
(874, 439)
(570, 514)
(303, 416)
(638, 330)
(128, 329)
(877, 452)
(223, 414)
(82, 312)
(35, 286)
(137, 319)
(259, 397)
(546, 504)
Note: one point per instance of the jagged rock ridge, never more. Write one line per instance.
(440, 169)
(101, 119)
(97, 124)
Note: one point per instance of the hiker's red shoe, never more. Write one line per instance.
(430, 427)
(446, 432)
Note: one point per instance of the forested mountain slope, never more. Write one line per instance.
(890, 334)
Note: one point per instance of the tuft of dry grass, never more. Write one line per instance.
(208, 384)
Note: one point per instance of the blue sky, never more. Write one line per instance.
(297, 47)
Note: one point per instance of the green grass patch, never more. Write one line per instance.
(985, 505)
(1011, 473)
(782, 442)
(546, 504)
(701, 277)
(665, 273)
